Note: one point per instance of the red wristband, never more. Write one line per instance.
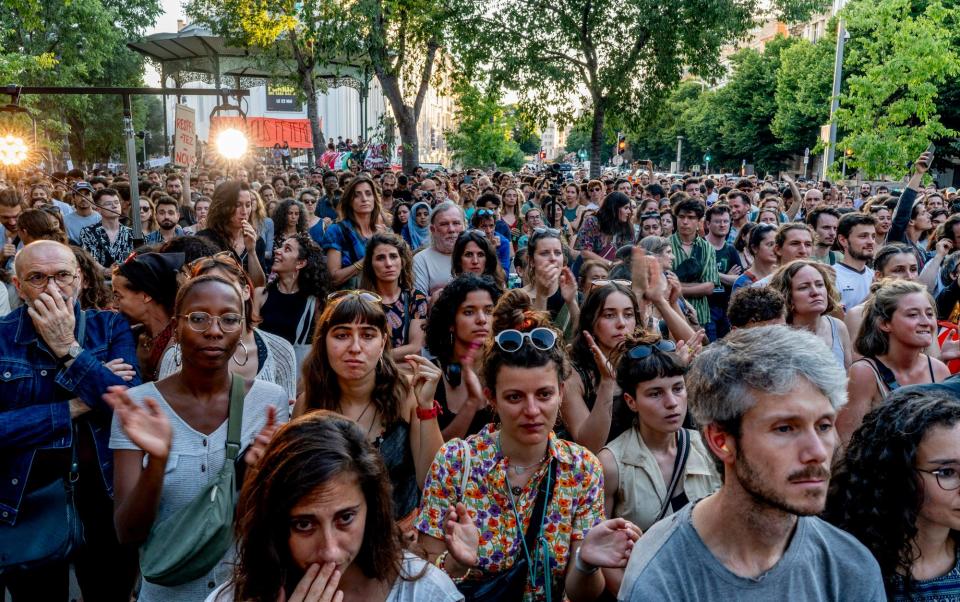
(431, 413)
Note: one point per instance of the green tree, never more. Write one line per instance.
(580, 135)
(625, 55)
(900, 56)
(804, 84)
(483, 136)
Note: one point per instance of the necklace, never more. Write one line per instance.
(519, 468)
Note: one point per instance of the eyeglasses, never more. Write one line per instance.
(39, 281)
(365, 295)
(641, 351)
(308, 201)
(947, 478)
(605, 282)
(201, 321)
(512, 340)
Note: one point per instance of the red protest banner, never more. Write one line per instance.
(264, 132)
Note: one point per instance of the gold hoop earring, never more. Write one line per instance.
(246, 356)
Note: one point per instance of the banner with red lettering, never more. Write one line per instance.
(264, 132)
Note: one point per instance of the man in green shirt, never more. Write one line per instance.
(694, 259)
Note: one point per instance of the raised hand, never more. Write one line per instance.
(317, 585)
(568, 285)
(657, 286)
(607, 371)
(609, 544)
(424, 380)
(944, 247)
(249, 237)
(148, 427)
(53, 319)
(639, 272)
(687, 350)
(260, 442)
(461, 536)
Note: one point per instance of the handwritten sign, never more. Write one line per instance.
(264, 132)
(185, 136)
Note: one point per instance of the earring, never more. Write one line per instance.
(177, 360)
(246, 355)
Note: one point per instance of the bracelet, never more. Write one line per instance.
(431, 413)
(440, 563)
(583, 567)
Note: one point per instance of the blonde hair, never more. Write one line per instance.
(880, 307)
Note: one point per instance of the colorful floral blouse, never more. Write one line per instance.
(576, 507)
(591, 238)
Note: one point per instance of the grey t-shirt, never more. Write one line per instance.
(431, 270)
(671, 562)
(75, 222)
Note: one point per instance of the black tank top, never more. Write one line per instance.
(281, 313)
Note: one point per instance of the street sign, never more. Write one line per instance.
(617, 160)
(185, 136)
(825, 133)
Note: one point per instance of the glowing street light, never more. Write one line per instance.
(13, 151)
(231, 143)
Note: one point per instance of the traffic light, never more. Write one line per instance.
(849, 152)
(707, 157)
(622, 145)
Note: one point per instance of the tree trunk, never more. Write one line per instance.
(313, 115)
(596, 138)
(406, 122)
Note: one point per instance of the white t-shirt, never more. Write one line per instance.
(853, 286)
(431, 270)
(433, 586)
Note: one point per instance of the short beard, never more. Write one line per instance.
(860, 256)
(764, 495)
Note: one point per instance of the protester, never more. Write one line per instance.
(549, 283)
(766, 399)
(56, 361)
(388, 271)
(168, 219)
(602, 234)
(481, 491)
(108, 240)
(317, 518)
(169, 437)
(857, 236)
(762, 250)
(83, 214)
(474, 254)
(289, 219)
(344, 241)
(200, 210)
(751, 307)
(230, 227)
(895, 491)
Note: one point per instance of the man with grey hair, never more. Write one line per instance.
(766, 399)
(433, 267)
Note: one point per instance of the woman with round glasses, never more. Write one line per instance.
(316, 522)
(169, 437)
(474, 254)
(460, 321)
(388, 271)
(549, 282)
(515, 509)
(259, 354)
(350, 371)
(896, 491)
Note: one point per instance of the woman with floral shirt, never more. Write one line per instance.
(474, 524)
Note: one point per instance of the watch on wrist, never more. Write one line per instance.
(72, 352)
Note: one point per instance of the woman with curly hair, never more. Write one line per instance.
(350, 371)
(461, 319)
(473, 253)
(289, 219)
(94, 293)
(896, 492)
(811, 294)
(287, 306)
(317, 516)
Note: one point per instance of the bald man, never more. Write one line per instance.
(56, 362)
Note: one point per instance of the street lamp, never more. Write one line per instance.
(231, 143)
(13, 150)
(679, 151)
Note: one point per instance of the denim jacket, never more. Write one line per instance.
(35, 391)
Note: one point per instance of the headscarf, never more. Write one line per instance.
(155, 274)
(419, 237)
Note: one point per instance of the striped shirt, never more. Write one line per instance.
(709, 273)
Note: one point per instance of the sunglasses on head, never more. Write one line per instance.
(641, 351)
(547, 231)
(365, 295)
(512, 340)
(607, 282)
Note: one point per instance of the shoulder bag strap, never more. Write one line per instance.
(407, 298)
(886, 374)
(235, 417)
(679, 467)
(539, 509)
(303, 327)
(465, 475)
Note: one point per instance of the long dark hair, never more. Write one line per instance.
(226, 197)
(876, 493)
(280, 218)
(491, 268)
(321, 388)
(313, 278)
(443, 314)
(304, 455)
(395, 224)
(609, 216)
(345, 207)
(368, 277)
(94, 294)
(592, 306)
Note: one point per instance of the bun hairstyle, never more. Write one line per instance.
(659, 364)
(515, 311)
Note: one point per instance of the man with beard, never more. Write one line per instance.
(767, 399)
(740, 206)
(865, 191)
(857, 236)
(432, 267)
(168, 216)
(824, 221)
(83, 214)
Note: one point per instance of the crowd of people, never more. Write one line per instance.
(364, 385)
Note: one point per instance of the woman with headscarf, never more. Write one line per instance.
(417, 230)
(144, 290)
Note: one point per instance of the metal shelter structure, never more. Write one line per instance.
(196, 54)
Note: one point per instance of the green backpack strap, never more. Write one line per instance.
(235, 417)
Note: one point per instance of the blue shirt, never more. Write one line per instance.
(35, 391)
(155, 237)
(503, 251)
(344, 238)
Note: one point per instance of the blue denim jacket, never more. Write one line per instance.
(35, 392)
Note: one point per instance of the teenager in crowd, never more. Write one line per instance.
(761, 247)
(589, 272)
(474, 254)
(602, 234)
(388, 271)
(400, 217)
(315, 522)
(461, 319)
(894, 261)
(482, 493)
(812, 298)
(896, 492)
(549, 283)
(170, 436)
(200, 209)
(511, 214)
(289, 219)
(230, 226)
(899, 324)
(345, 241)
(349, 370)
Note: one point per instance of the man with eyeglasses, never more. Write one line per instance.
(108, 241)
(56, 362)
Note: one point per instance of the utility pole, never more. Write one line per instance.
(828, 156)
(679, 153)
